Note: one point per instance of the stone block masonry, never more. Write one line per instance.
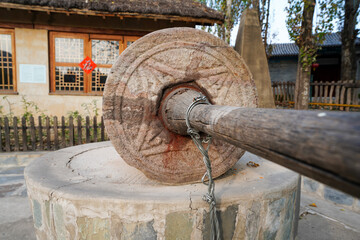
(12, 167)
(322, 191)
(88, 192)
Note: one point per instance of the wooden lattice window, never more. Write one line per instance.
(7, 61)
(68, 50)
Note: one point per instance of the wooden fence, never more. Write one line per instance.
(49, 133)
(330, 95)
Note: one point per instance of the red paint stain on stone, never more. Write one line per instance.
(171, 156)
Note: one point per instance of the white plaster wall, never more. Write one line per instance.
(32, 47)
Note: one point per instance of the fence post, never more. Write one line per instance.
(316, 89)
(56, 134)
(349, 94)
(337, 93)
(102, 129)
(1, 149)
(87, 129)
(7, 134)
(40, 133)
(95, 138)
(287, 91)
(16, 133)
(355, 98)
(280, 94)
(63, 140)
(71, 131)
(331, 94)
(321, 94)
(342, 95)
(32, 133)
(24, 133)
(293, 91)
(79, 130)
(326, 93)
(274, 93)
(48, 134)
(283, 93)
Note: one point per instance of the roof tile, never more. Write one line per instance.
(291, 49)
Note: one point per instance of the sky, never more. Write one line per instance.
(277, 23)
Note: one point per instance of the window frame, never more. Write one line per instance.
(14, 73)
(87, 37)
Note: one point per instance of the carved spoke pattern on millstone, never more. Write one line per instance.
(136, 82)
(152, 144)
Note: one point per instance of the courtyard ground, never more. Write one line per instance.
(326, 221)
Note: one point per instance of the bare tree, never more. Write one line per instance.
(348, 36)
(300, 27)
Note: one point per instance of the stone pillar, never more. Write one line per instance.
(250, 46)
(89, 192)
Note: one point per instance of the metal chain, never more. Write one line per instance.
(209, 197)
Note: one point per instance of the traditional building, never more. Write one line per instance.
(283, 61)
(43, 42)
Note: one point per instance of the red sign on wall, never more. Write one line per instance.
(87, 65)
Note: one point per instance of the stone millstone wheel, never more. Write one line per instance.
(136, 84)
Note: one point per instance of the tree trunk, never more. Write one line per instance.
(256, 5)
(305, 44)
(302, 87)
(265, 25)
(348, 36)
(228, 21)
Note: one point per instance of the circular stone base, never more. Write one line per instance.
(89, 192)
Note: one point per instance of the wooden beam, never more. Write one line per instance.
(74, 29)
(322, 145)
(107, 14)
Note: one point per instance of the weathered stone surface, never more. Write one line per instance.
(137, 231)
(250, 46)
(321, 191)
(179, 225)
(37, 214)
(8, 160)
(93, 228)
(310, 185)
(272, 221)
(135, 86)
(253, 220)
(59, 222)
(289, 216)
(89, 192)
(13, 159)
(227, 221)
(11, 179)
(22, 229)
(337, 196)
(12, 170)
(25, 160)
(8, 189)
(47, 212)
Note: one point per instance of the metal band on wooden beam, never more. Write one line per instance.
(321, 145)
